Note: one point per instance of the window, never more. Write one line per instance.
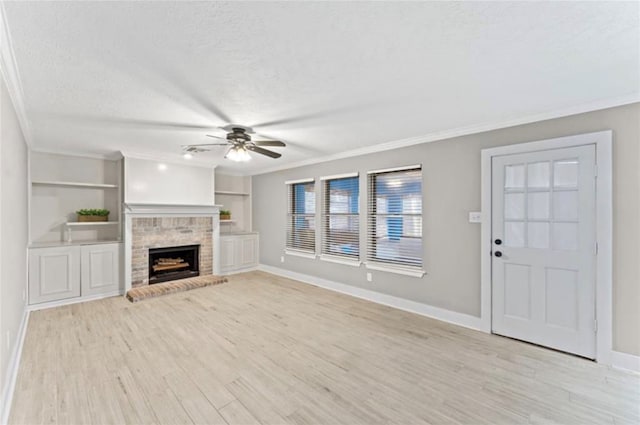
(341, 216)
(394, 234)
(301, 216)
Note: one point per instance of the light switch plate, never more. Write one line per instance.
(475, 217)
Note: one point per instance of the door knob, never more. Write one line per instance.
(498, 254)
(498, 241)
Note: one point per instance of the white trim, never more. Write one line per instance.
(157, 210)
(12, 369)
(448, 316)
(113, 156)
(404, 168)
(237, 271)
(390, 268)
(75, 300)
(11, 75)
(460, 131)
(625, 361)
(302, 254)
(299, 181)
(340, 176)
(340, 260)
(603, 141)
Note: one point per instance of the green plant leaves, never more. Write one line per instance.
(99, 212)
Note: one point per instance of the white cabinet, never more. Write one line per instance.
(61, 272)
(238, 252)
(100, 268)
(54, 274)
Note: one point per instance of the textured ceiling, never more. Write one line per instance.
(324, 77)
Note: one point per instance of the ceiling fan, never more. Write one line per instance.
(240, 144)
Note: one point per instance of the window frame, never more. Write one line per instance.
(325, 217)
(291, 215)
(394, 266)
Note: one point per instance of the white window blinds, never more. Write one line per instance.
(341, 216)
(394, 231)
(301, 216)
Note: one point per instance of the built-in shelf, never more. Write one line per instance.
(74, 224)
(74, 184)
(227, 221)
(91, 223)
(228, 192)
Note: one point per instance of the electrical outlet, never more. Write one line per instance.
(475, 217)
(282, 258)
(369, 277)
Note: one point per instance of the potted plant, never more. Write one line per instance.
(225, 215)
(88, 215)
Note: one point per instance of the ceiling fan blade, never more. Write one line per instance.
(266, 152)
(215, 137)
(269, 143)
(206, 144)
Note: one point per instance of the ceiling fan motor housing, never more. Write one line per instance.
(238, 135)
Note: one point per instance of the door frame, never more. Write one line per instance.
(603, 141)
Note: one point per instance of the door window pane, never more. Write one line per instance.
(538, 175)
(514, 176)
(538, 235)
(538, 205)
(565, 173)
(514, 206)
(565, 205)
(514, 233)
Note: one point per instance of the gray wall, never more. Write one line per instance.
(13, 231)
(451, 173)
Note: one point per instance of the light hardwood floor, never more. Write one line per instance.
(263, 349)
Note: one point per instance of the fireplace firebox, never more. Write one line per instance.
(172, 263)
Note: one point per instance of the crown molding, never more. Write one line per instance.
(11, 76)
(114, 156)
(461, 131)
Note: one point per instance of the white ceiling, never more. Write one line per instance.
(325, 77)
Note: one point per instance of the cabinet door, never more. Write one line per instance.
(248, 247)
(100, 269)
(227, 253)
(54, 274)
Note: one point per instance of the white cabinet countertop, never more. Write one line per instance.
(74, 243)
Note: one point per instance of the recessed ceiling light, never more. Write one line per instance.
(187, 155)
(162, 167)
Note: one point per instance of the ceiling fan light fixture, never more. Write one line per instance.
(238, 154)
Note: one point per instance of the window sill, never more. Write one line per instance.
(302, 254)
(407, 271)
(341, 260)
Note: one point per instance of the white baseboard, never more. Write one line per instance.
(67, 301)
(448, 316)
(14, 365)
(625, 361)
(245, 270)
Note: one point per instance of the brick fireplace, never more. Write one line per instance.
(162, 232)
(155, 227)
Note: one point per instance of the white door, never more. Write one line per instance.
(54, 274)
(100, 269)
(543, 248)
